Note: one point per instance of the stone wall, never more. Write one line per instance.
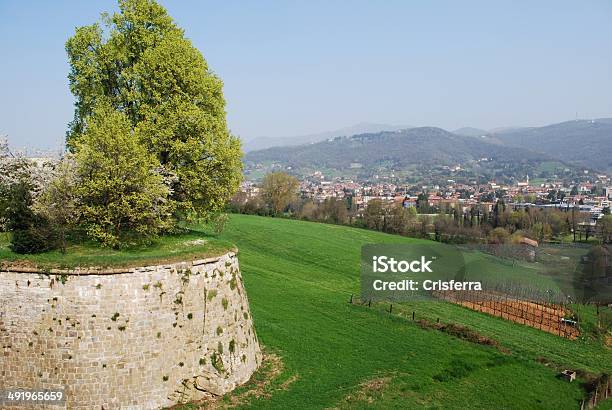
(141, 338)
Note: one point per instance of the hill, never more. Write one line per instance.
(259, 143)
(299, 277)
(587, 143)
(571, 144)
(470, 132)
(422, 147)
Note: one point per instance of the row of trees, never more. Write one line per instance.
(148, 146)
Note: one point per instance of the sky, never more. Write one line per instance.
(300, 67)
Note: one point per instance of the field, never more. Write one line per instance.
(299, 277)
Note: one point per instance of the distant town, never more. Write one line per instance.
(572, 209)
(592, 195)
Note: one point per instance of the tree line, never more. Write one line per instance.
(279, 196)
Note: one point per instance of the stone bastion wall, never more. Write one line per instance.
(139, 338)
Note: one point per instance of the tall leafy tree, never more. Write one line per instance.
(278, 190)
(139, 63)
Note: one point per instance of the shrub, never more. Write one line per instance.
(57, 202)
(31, 232)
(35, 239)
(498, 236)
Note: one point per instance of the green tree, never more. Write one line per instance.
(541, 230)
(426, 222)
(142, 65)
(121, 200)
(279, 190)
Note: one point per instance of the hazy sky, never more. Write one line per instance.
(299, 67)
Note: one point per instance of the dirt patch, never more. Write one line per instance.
(366, 394)
(463, 333)
(195, 242)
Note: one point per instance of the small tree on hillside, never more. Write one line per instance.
(121, 200)
(604, 226)
(498, 236)
(401, 219)
(374, 215)
(279, 190)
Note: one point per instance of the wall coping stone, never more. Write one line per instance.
(84, 271)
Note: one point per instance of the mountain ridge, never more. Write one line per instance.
(259, 143)
(585, 143)
(421, 145)
(580, 143)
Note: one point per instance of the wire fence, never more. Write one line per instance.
(548, 317)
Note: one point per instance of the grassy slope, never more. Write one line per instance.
(166, 249)
(299, 276)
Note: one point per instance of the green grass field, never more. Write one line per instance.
(299, 277)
